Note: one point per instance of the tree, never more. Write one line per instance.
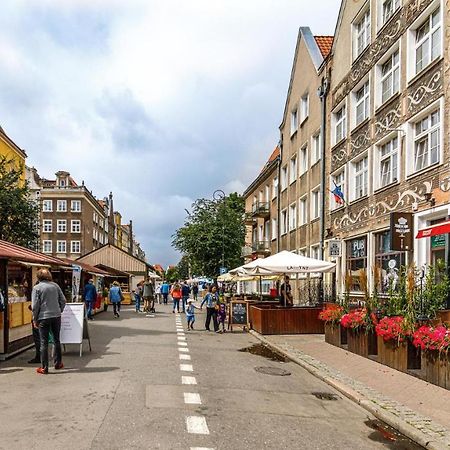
(171, 275)
(183, 268)
(213, 234)
(19, 214)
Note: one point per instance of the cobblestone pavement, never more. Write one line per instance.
(417, 427)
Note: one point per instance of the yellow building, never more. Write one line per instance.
(118, 240)
(11, 151)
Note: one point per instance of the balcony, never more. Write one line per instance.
(249, 219)
(261, 210)
(246, 252)
(261, 247)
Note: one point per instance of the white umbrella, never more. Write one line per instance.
(154, 276)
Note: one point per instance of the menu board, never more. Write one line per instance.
(72, 323)
(239, 313)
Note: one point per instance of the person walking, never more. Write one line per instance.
(37, 343)
(158, 293)
(185, 292)
(47, 304)
(90, 297)
(221, 316)
(137, 298)
(115, 297)
(176, 294)
(190, 315)
(195, 291)
(286, 298)
(165, 288)
(211, 299)
(148, 294)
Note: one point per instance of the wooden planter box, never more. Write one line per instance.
(402, 357)
(436, 368)
(335, 334)
(362, 343)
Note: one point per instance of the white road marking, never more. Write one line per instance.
(188, 380)
(196, 425)
(181, 334)
(182, 349)
(186, 368)
(191, 398)
(202, 448)
(182, 344)
(185, 357)
(181, 338)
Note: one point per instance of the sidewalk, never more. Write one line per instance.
(416, 408)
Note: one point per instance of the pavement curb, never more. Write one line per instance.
(365, 402)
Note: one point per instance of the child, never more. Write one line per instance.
(222, 315)
(190, 315)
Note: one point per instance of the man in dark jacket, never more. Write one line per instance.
(90, 297)
(185, 291)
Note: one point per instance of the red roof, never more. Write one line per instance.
(274, 155)
(18, 253)
(324, 43)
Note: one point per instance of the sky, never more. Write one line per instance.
(159, 101)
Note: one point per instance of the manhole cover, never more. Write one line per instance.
(325, 396)
(273, 371)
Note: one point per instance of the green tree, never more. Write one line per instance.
(183, 267)
(18, 212)
(213, 234)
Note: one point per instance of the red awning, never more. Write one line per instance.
(439, 228)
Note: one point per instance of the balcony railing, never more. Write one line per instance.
(249, 219)
(246, 251)
(260, 209)
(261, 247)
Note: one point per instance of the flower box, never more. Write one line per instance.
(436, 368)
(401, 356)
(335, 334)
(362, 343)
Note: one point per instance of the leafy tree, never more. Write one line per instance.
(213, 234)
(18, 212)
(171, 274)
(183, 267)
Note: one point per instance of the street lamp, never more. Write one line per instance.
(219, 195)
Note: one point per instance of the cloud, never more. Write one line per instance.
(160, 102)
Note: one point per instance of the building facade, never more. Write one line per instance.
(12, 152)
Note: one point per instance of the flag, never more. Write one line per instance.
(338, 194)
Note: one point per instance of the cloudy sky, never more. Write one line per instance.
(159, 101)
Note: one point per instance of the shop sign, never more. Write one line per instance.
(223, 270)
(438, 241)
(358, 248)
(401, 231)
(334, 247)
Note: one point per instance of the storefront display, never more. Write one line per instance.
(356, 260)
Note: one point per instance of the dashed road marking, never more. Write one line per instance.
(181, 338)
(182, 344)
(202, 448)
(196, 425)
(188, 380)
(185, 357)
(186, 368)
(191, 398)
(183, 349)
(181, 333)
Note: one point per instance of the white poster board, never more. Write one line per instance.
(72, 324)
(76, 277)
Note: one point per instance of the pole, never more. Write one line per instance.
(260, 288)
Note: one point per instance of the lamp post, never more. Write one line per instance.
(219, 195)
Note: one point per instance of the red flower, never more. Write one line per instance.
(429, 338)
(354, 319)
(332, 314)
(392, 328)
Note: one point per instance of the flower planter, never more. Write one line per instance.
(335, 334)
(362, 343)
(400, 356)
(436, 368)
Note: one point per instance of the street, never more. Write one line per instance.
(135, 391)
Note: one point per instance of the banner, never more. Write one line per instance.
(76, 277)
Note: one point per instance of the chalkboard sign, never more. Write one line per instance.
(238, 314)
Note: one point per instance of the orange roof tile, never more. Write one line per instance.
(274, 155)
(324, 43)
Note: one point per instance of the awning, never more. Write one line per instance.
(434, 230)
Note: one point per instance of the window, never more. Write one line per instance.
(47, 205)
(293, 170)
(61, 246)
(361, 34)
(340, 125)
(75, 226)
(304, 108)
(62, 183)
(294, 121)
(388, 166)
(47, 226)
(390, 77)
(427, 141)
(283, 222)
(315, 204)
(283, 178)
(384, 254)
(260, 199)
(362, 102)
(338, 183)
(356, 261)
(428, 45)
(292, 216)
(267, 198)
(47, 246)
(61, 226)
(275, 188)
(274, 229)
(303, 160)
(61, 205)
(314, 251)
(315, 148)
(303, 207)
(360, 174)
(75, 205)
(388, 8)
(75, 247)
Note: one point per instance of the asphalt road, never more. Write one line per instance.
(132, 392)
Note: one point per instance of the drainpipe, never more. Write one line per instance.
(280, 158)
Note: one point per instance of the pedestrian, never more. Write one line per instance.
(185, 292)
(176, 294)
(47, 304)
(165, 292)
(148, 294)
(137, 298)
(37, 343)
(90, 297)
(115, 297)
(190, 314)
(211, 299)
(222, 315)
(158, 293)
(195, 291)
(286, 298)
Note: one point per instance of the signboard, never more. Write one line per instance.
(238, 314)
(223, 270)
(437, 241)
(74, 326)
(358, 248)
(76, 276)
(401, 231)
(334, 247)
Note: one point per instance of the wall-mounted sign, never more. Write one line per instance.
(437, 241)
(401, 231)
(334, 248)
(358, 248)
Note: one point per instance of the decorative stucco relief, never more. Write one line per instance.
(389, 119)
(338, 157)
(360, 140)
